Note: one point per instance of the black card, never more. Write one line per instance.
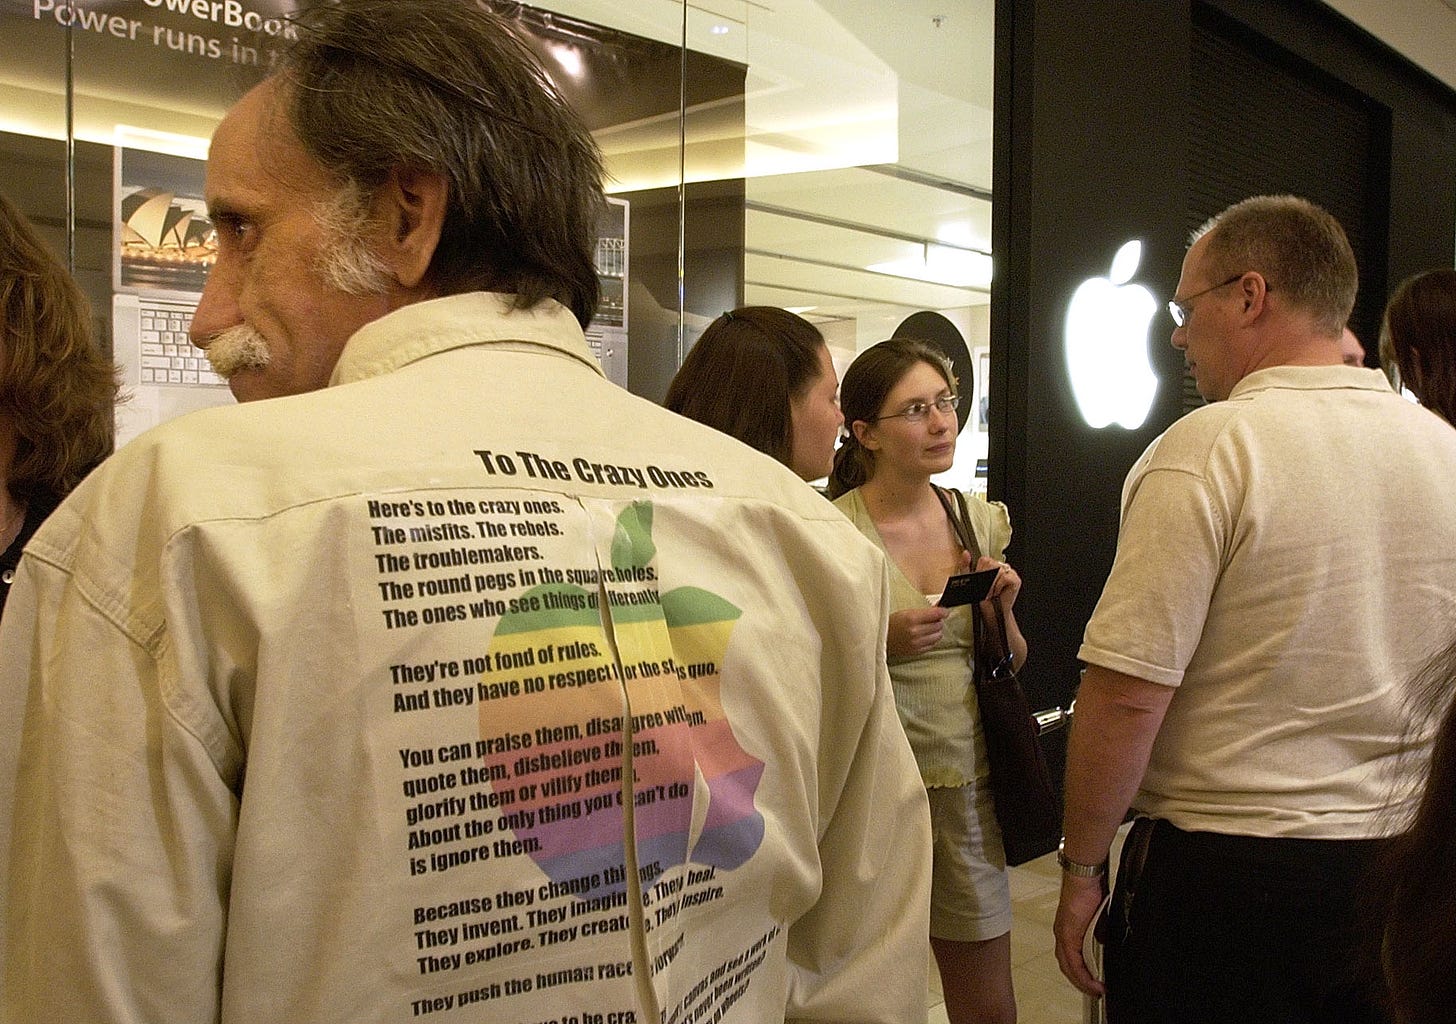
(968, 588)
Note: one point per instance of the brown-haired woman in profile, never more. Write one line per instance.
(1418, 337)
(763, 375)
(56, 389)
(1414, 884)
(899, 401)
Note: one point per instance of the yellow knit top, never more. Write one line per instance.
(933, 691)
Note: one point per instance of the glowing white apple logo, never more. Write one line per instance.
(1107, 345)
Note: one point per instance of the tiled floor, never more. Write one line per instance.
(1043, 996)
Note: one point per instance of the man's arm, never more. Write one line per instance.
(117, 826)
(848, 956)
(1118, 717)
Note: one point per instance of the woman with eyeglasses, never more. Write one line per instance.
(899, 402)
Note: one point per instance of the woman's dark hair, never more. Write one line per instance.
(445, 86)
(869, 379)
(1419, 334)
(1414, 887)
(744, 372)
(54, 382)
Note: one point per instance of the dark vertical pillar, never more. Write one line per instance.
(712, 273)
(1091, 101)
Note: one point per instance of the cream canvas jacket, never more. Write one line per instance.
(470, 688)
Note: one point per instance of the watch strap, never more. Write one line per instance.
(1076, 869)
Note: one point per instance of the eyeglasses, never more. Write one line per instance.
(915, 412)
(1179, 309)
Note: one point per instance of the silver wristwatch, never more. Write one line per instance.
(1075, 869)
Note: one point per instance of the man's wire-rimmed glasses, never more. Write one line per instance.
(1179, 309)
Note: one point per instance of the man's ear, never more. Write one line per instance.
(411, 212)
(1254, 289)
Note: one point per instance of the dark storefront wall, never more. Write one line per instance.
(1117, 121)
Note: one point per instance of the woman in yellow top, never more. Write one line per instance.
(899, 403)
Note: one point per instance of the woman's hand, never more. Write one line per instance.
(915, 630)
(1003, 591)
(1007, 583)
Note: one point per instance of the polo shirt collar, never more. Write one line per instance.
(1311, 378)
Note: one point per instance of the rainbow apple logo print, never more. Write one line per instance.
(1107, 345)
(557, 737)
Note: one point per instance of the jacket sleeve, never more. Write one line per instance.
(116, 825)
(858, 955)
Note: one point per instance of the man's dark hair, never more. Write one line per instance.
(446, 86)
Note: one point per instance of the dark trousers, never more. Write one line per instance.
(1236, 930)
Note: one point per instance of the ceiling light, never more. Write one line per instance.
(719, 30)
(939, 265)
(128, 136)
(569, 58)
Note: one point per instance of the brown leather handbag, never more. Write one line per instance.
(1021, 784)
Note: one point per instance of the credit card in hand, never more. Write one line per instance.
(968, 588)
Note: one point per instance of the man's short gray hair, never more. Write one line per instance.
(1300, 249)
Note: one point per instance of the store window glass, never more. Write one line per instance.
(835, 160)
(831, 157)
(868, 197)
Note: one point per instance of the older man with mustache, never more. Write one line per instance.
(441, 678)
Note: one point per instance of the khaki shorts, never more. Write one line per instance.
(970, 896)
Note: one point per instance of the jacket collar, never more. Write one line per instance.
(424, 329)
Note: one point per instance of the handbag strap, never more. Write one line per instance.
(992, 645)
(974, 547)
(962, 523)
(998, 641)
